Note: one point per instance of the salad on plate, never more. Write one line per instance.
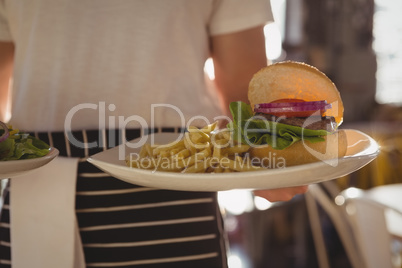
(16, 145)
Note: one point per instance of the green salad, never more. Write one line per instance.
(15, 145)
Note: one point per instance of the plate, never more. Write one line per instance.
(362, 149)
(13, 168)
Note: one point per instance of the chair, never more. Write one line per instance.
(389, 195)
(360, 222)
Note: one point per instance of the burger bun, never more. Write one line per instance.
(295, 80)
(302, 152)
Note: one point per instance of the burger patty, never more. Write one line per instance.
(327, 123)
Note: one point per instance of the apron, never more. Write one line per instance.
(42, 209)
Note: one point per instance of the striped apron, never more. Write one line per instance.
(125, 225)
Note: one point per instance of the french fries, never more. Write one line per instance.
(202, 150)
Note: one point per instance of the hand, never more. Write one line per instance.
(281, 194)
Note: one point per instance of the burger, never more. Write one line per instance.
(292, 118)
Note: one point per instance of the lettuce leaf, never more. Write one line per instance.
(253, 130)
(22, 146)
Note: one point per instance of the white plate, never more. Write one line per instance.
(13, 168)
(362, 149)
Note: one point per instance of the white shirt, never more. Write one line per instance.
(88, 64)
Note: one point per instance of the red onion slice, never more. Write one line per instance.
(318, 104)
(6, 132)
(308, 110)
(292, 109)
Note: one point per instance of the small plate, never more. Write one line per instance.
(362, 149)
(13, 168)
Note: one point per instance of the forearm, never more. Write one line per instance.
(6, 66)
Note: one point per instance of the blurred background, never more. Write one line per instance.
(358, 44)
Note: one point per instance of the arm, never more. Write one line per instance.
(237, 57)
(6, 66)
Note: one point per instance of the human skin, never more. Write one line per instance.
(237, 57)
(6, 66)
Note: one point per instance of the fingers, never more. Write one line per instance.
(282, 194)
